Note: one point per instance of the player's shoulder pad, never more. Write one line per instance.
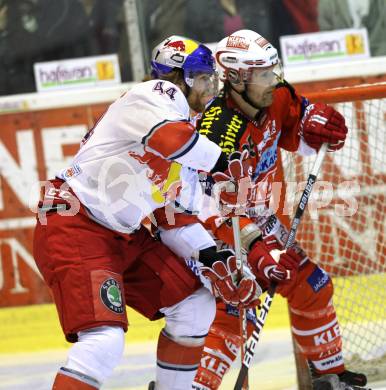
(164, 89)
(163, 94)
(288, 86)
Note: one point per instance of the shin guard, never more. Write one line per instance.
(314, 322)
(177, 361)
(221, 347)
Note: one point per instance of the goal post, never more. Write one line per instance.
(344, 229)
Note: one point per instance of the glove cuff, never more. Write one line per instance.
(209, 256)
(249, 234)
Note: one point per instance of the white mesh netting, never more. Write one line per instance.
(345, 229)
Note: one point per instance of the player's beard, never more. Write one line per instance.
(197, 101)
(263, 98)
(266, 99)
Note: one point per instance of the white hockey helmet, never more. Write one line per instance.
(184, 53)
(243, 51)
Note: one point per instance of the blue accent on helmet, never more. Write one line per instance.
(200, 60)
(159, 69)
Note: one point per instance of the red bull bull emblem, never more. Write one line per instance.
(178, 45)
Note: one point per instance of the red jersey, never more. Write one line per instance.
(275, 126)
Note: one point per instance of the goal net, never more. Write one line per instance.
(344, 228)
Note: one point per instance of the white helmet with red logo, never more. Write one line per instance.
(243, 51)
(185, 53)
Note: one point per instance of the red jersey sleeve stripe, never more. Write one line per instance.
(171, 139)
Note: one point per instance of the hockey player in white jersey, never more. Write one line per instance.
(94, 253)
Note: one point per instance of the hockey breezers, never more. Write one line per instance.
(249, 349)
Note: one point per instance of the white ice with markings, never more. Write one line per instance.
(272, 369)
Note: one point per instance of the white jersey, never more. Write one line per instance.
(131, 162)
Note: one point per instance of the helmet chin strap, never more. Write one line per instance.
(245, 96)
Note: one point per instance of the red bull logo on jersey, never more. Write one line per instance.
(164, 175)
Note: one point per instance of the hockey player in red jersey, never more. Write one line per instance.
(92, 250)
(258, 111)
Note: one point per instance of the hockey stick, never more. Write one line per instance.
(255, 336)
(242, 313)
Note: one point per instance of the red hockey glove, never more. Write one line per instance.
(322, 123)
(270, 262)
(223, 278)
(232, 187)
(249, 289)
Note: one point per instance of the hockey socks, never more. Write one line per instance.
(177, 361)
(67, 379)
(221, 348)
(314, 322)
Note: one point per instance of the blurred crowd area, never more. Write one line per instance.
(46, 30)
